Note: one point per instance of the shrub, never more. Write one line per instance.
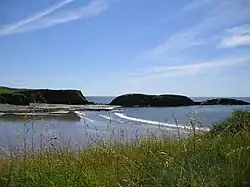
(17, 99)
(238, 121)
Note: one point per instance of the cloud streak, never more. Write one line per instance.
(195, 4)
(15, 26)
(205, 67)
(206, 32)
(175, 43)
(39, 21)
(236, 36)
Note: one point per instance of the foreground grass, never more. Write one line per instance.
(212, 159)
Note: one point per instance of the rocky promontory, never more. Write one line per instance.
(224, 101)
(16, 96)
(27, 96)
(143, 100)
(168, 100)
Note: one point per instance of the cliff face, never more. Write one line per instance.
(24, 97)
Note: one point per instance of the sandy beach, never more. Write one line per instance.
(49, 111)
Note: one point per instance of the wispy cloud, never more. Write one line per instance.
(175, 44)
(205, 67)
(236, 36)
(15, 26)
(39, 21)
(195, 4)
(206, 32)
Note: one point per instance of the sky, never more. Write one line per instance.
(112, 47)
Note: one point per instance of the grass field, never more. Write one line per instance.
(6, 90)
(218, 158)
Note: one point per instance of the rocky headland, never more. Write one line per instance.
(169, 100)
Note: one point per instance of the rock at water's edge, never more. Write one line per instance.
(224, 101)
(143, 100)
(24, 97)
(167, 100)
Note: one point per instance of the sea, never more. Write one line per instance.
(123, 124)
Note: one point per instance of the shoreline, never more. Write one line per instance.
(41, 111)
(49, 111)
(46, 108)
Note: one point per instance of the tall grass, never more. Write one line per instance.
(218, 158)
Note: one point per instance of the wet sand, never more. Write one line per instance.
(49, 111)
(52, 108)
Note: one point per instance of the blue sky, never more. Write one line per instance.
(111, 47)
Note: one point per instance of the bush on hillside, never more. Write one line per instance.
(17, 99)
(238, 121)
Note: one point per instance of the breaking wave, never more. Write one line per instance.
(157, 122)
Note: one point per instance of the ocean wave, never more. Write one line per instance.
(157, 123)
(110, 118)
(82, 116)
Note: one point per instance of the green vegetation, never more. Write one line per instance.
(7, 90)
(238, 121)
(218, 158)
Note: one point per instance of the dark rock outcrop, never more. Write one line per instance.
(224, 101)
(143, 100)
(24, 97)
(17, 99)
(3, 99)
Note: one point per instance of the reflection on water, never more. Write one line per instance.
(23, 118)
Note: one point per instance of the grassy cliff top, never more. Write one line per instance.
(7, 90)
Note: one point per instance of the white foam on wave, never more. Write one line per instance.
(112, 107)
(110, 118)
(82, 116)
(106, 117)
(157, 123)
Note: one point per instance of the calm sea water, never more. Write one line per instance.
(100, 99)
(126, 124)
